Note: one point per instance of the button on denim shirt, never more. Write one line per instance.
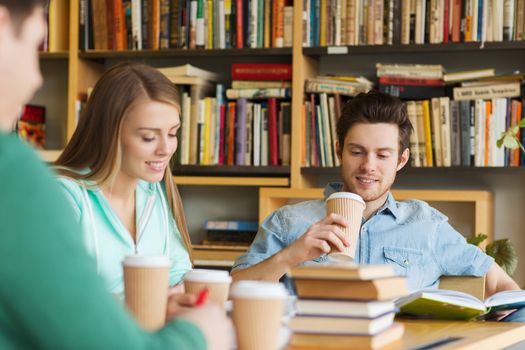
(410, 235)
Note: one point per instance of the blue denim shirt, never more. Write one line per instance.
(410, 235)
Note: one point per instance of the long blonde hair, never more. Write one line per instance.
(95, 144)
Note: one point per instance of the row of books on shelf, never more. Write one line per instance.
(462, 133)
(215, 132)
(445, 132)
(163, 24)
(378, 22)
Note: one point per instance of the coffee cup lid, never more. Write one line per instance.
(258, 290)
(348, 195)
(146, 261)
(206, 275)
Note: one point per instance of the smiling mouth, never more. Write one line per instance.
(157, 165)
(366, 180)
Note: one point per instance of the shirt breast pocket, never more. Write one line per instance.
(406, 262)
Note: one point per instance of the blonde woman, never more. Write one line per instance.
(115, 172)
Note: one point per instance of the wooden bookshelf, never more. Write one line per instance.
(85, 68)
(452, 48)
(106, 54)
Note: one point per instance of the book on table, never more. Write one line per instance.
(341, 341)
(454, 305)
(340, 325)
(342, 271)
(348, 281)
(343, 308)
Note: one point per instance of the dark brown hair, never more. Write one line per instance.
(19, 10)
(95, 144)
(371, 108)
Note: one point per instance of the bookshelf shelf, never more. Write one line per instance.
(458, 48)
(105, 54)
(232, 181)
(236, 170)
(446, 171)
(61, 55)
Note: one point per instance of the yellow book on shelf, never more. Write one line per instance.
(428, 133)
(206, 133)
(58, 25)
(323, 23)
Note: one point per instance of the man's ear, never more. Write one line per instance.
(403, 159)
(338, 151)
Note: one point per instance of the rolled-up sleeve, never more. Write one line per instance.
(456, 257)
(268, 241)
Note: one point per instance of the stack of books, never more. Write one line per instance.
(342, 305)
(411, 81)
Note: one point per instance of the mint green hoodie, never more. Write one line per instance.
(50, 294)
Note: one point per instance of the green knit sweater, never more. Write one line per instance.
(50, 294)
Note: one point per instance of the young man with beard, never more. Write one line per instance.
(373, 137)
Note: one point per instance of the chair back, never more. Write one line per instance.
(468, 284)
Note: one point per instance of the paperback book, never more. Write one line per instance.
(454, 305)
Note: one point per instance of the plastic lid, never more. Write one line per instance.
(258, 290)
(146, 261)
(348, 195)
(208, 276)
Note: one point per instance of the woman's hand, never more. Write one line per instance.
(178, 300)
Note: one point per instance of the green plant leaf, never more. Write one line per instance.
(503, 251)
(476, 240)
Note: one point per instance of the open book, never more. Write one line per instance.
(453, 305)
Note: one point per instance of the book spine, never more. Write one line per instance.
(164, 26)
(270, 71)
(272, 131)
(258, 93)
(487, 92)
(240, 135)
(407, 81)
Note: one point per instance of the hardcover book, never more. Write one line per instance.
(454, 305)
(377, 341)
(341, 325)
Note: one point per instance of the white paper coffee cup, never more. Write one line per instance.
(351, 206)
(257, 313)
(146, 283)
(218, 284)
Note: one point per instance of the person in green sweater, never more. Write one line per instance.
(51, 296)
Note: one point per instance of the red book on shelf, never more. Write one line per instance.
(239, 27)
(261, 71)
(272, 130)
(446, 24)
(232, 107)
(456, 21)
(119, 36)
(410, 81)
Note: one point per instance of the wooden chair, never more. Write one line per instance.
(471, 285)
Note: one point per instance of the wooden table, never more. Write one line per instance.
(475, 335)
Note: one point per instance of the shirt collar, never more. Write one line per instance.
(390, 205)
